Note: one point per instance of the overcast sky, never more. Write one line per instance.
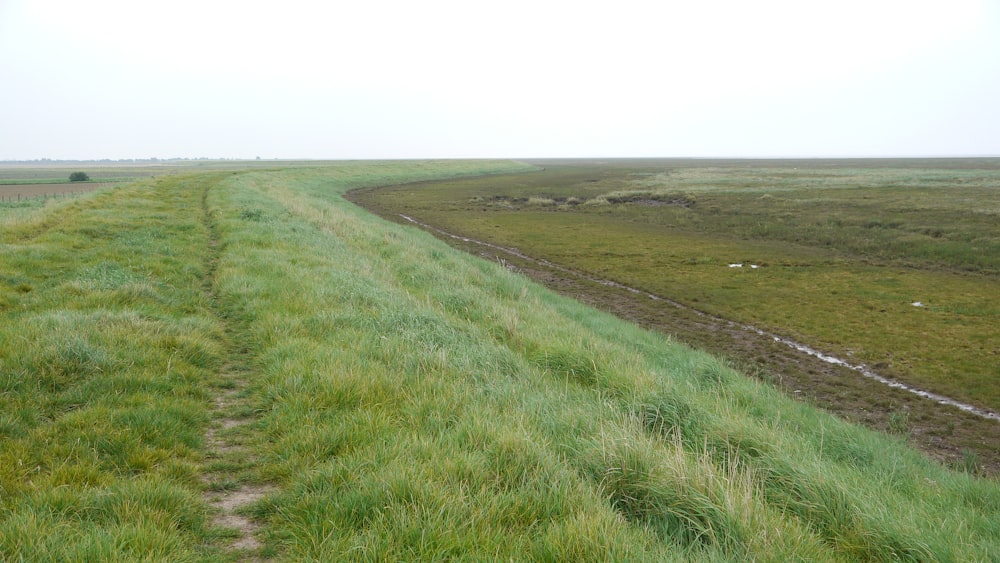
(536, 78)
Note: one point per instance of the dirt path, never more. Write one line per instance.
(225, 441)
(227, 455)
(962, 436)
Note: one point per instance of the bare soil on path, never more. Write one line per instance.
(225, 489)
(224, 492)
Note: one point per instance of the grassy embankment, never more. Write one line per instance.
(844, 250)
(405, 402)
(107, 352)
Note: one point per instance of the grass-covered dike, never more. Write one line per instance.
(398, 400)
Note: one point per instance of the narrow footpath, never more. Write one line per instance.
(226, 488)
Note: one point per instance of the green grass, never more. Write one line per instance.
(105, 350)
(12, 212)
(844, 249)
(410, 402)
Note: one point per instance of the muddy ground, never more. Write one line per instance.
(943, 432)
(13, 192)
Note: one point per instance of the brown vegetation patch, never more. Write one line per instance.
(15, 191)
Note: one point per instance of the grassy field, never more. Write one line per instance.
(171, 345)
(843, 249)
(57, 172)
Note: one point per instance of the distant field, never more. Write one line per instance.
(22, 191)
(36, 172)
(25, 180)
(893, 264)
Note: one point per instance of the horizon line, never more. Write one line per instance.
(398, 158)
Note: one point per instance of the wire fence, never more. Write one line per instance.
(12, 198)
(28, 192)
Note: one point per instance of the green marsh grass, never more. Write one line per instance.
(845, 248)
(411, 402)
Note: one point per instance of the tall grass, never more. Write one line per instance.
(411, 402)
(106, 347)
(844, 251)
(421, 404)
(13, 213)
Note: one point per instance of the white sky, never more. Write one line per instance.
(518, 78)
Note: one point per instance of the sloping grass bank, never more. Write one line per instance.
(411, 402)
(421, 404)
(843, 251)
